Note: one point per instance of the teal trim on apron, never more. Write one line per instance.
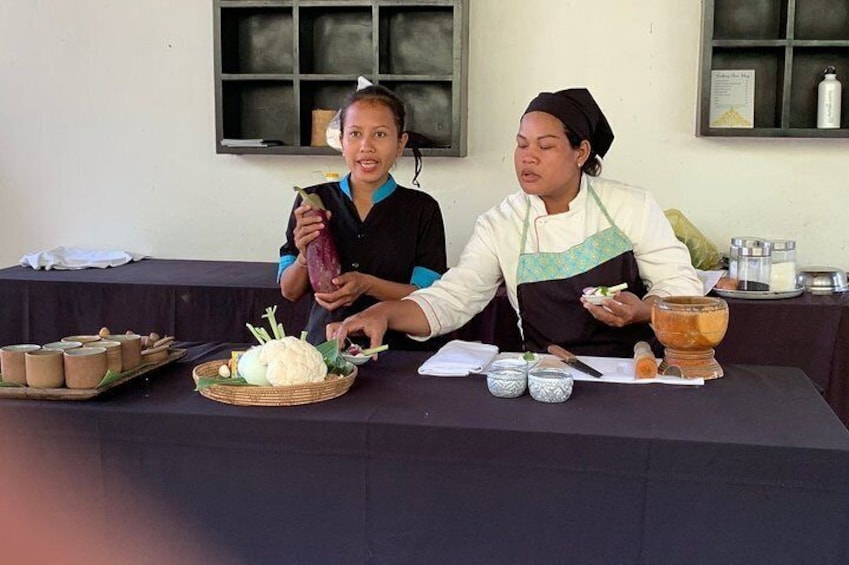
(593, 251)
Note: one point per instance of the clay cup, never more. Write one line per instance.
(45, 368)
(13, 362)
(130, 350)
(85, 367)
(113, 353)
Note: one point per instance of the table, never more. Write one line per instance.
(193, 300)
(751, 468)
(211, 301)
(810, 332)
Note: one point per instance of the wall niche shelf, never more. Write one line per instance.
(788, 43)
(278, 60)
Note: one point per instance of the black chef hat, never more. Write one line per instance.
(578, 111)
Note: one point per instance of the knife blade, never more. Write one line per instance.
(573, 361)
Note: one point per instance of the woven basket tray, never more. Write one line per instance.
(292, 395)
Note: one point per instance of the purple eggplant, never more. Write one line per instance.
(323, 263)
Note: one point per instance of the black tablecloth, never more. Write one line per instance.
(212, 301)
(193, 300)
(751, 468)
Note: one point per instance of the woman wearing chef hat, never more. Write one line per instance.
(565, 230)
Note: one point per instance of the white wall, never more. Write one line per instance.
(107, 133)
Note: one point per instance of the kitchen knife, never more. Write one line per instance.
(573, 361)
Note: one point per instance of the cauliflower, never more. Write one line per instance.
(292, 361)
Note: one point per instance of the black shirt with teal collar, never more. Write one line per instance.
(402, 239)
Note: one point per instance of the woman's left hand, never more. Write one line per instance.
(621, 310)
(351, 285)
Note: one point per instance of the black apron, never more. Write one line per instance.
(550, 285)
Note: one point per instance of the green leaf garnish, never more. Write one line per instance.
(336, 364)
(110, 376)
(4, 384)
(206, 382)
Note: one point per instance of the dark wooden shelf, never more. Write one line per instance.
(788, 43)
(278, 60)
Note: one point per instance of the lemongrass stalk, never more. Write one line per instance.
(276, 329)
(256, 333)
(264, 333)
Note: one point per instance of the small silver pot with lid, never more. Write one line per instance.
(822, 280)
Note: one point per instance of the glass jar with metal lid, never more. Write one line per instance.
(738, 242)
(782, 275)
(753, 267)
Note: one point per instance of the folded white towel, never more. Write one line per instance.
(458, 358)
(68, 258)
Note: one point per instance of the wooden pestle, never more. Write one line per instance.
(645, 364)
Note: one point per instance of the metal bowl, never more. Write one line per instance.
(822, 280)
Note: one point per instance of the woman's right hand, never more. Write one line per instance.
(372, 322)
(307, 226)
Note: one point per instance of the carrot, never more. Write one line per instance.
(645, 365)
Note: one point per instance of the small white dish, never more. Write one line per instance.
(532, 362)
(514, 362)
(359, 359)
(509, 363)
(591, 293)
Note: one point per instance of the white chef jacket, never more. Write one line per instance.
(492, 253)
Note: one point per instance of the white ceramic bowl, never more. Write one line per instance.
(507, 383)
(359, 359)
(550, 384)
(597, 298)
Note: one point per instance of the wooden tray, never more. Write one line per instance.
(292, 395)
(86, 393)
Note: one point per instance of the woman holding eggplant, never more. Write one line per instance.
(390, 239)
(565, 230)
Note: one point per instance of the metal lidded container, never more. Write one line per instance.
(738, 242)
(753, 267)
(782, 275)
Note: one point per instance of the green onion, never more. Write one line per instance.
(374, 350)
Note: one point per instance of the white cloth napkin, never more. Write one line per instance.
(458, 358)
(69, 258)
